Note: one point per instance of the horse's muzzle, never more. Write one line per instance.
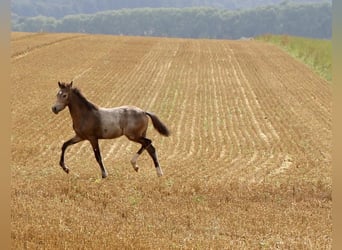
(54, 109)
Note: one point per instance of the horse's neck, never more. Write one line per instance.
(78, 108)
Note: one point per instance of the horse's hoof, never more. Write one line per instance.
(159, 172)
(65, 168)
(104, 175)
(136, 169)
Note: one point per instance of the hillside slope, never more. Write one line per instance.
(248, 164)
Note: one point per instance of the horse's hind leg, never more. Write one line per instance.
(143, 143)
(66, 144)
(135, 158)
(152, 152)
(147, 144)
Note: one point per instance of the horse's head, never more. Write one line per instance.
(62, 97)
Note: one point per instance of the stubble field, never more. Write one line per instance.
(247, 166)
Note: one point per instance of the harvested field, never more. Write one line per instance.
(247, 166)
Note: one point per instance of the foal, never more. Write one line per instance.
(93, 123)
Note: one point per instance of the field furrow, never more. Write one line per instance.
(28, 44)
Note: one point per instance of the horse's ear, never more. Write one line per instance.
(70, 85)
(59, 84)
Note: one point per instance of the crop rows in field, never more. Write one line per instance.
(241, 113)
(224, 101)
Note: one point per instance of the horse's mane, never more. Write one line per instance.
(88, 104)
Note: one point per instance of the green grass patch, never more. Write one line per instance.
(316, 53)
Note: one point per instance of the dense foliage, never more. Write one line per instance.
(60, 8)
(309, 20)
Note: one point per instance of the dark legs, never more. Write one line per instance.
(146, 144)
(96, 149)
(66, 144)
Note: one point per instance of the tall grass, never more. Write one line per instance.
(316, 53)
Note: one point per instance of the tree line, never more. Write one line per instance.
(309, 20)
(61, 8)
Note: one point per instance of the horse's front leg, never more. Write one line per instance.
(95, 144)
(66, 144)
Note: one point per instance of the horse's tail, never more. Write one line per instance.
(158, 125)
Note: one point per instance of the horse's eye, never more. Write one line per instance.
(64, 96)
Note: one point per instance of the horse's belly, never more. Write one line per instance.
(110, 132)
(110, 126)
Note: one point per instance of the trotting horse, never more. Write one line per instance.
(93, 123)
